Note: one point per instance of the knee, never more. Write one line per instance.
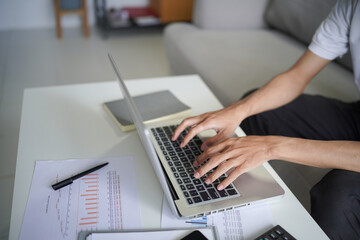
(337, 186)
(335, 204)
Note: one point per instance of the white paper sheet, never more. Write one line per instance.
(238, 224)
(106, 199)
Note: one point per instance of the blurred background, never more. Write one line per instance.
(56, 42)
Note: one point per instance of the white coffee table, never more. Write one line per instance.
(69, 122)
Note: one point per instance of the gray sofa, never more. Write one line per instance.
(238, 45)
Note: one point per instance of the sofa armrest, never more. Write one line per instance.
(229, 14)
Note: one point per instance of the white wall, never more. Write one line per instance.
(22, 14)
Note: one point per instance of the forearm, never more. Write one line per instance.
(283, 88)
(323, 154)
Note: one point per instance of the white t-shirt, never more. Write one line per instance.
(339, 33)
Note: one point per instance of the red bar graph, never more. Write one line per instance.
(88, 200)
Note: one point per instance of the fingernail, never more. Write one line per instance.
(196, 175)
(195, 164)
(207, 181)
(204, 147)
(220, 187)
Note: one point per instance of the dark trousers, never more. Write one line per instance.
(335, 200)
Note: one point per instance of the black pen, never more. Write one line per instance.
(70, 180)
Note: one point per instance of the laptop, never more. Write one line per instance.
(187, 196)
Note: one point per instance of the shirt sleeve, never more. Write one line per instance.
(331, 39)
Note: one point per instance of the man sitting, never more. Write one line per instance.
(281, 123)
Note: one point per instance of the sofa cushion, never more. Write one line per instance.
(300, 19)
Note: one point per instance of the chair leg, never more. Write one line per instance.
(85, 21)
(58, 20)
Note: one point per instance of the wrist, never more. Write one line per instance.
(279, 147)
(241, 110)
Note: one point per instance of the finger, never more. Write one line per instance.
(205, 156)
(214, 150)
(193, 132)
(220, 170)
(212, 163)
(183, 125)
(231, 177)
(198, 161)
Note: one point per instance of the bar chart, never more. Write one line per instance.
(88, 200)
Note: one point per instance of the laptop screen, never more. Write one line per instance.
(144, 136)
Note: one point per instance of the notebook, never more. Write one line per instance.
(154, 107)
(252, 187)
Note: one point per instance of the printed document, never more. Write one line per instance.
(106, 199)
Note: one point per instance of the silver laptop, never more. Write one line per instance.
(189, 197)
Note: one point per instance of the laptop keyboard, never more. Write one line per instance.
(180, 161)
